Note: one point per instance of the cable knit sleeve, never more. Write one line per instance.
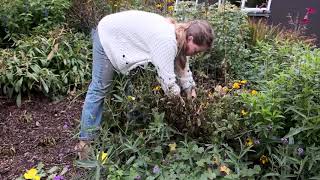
(163, 55)
(184, 76)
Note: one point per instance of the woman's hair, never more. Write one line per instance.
(200, 30)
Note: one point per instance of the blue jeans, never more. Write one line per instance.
(102, 73)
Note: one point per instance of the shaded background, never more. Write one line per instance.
(281, 8)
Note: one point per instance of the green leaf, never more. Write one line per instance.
(32, 76)
(315, 178)
(119, 99)
(44, 85)
(201, 162)
(271, 175)
(87, 164)
(40, 166)
(18, 100)
(64, 170)
(296, 111)
(295, 131)
(18, 85)
(53, 169)
(130, 160)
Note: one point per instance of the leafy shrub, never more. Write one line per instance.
(230, 50)
(85, 15)
(53, 64)
(22, 16)
(285, 114)
(149, 148)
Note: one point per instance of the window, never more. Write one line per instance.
(256, 7)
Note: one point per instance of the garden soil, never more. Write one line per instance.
(38, 131)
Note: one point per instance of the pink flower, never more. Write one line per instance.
(311, 10)
(305, 21)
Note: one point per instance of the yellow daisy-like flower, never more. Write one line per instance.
(157, 88)
(224, 169)
(170, 8)
(104, 157)
(254, 92)
(172, 147)
(32, 174)
(236, 86)
(159, 6)
(131, 98)
(244, 112)
(249, 142)
(243, 82)
(264, 159)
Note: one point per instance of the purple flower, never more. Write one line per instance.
(300, 151)
(256, 141)
(65, 126)
(156, 169)
(58, 177)
(138, 177)
(284, 140)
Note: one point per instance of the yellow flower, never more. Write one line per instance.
(236, 86)
(249, 142)
(131, 98)
(32, 174)
(243, 82)
(172, 147)
(264, 159)
(224, 169)
(157, 88)
(244, 112)
(104, 157)
(170, 8)
(158, 6)
(254, 92)
(226, 89)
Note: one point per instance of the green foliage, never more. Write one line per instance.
(22, 16)
(230, 49)
(53, 64)
(291, 91)
(154, 150)
(86, 14)
(272, 57)
(285, 114)
(225, 133)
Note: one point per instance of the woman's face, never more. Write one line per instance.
(192, 48)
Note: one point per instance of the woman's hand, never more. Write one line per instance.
(191, 93)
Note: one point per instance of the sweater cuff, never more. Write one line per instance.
(187, 83)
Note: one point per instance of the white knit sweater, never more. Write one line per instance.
(134, 38)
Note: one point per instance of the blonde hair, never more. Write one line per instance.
(200, 30)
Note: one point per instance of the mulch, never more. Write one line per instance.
(38, 131)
